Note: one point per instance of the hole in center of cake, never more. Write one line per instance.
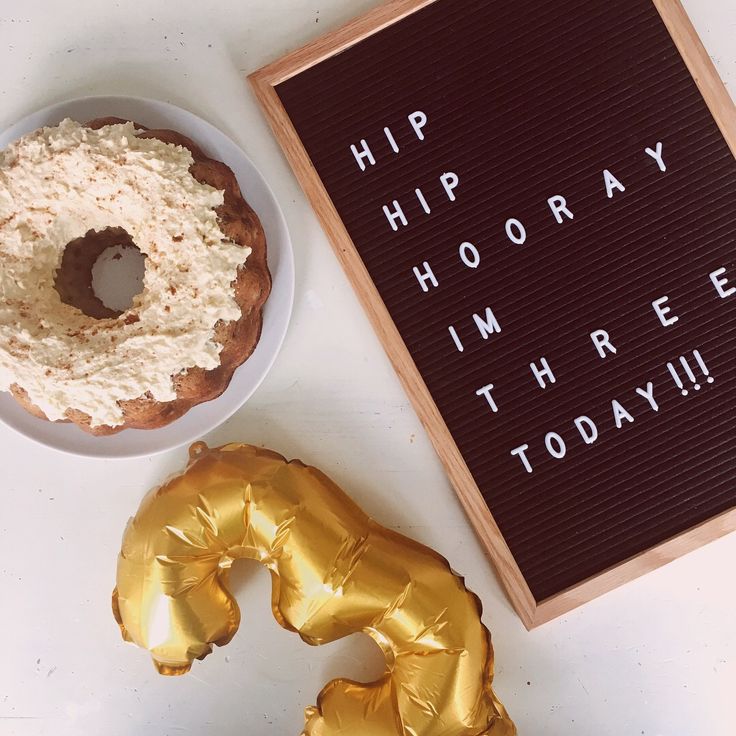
(101, 273)
(117, 276)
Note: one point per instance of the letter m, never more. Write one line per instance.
(487, 326)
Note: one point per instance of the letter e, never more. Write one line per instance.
(720, 283)
(663, 311)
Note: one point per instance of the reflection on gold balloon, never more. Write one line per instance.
(334, 572)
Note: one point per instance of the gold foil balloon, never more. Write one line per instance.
(334, 571)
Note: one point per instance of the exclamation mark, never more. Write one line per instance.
(677, 379)
(689, 371)
(703, 366)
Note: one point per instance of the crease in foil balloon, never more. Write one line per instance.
(335, 572)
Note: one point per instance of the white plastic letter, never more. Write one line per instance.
(418, 120)
(555, 445)
(520, 452)
(488, 326)
(450, 182)
(361, 156)
(469, 255)
(396, 214)
(458, 342)
(423, 201)
(720, 283)
(656, 154)
(390, 138)
(515, 231)
(559, 207)
(619, 414)
(426, 277)
(602, 341)
(587, 428)
(648, 394)
(486, 391)
(663, 311)
(612, 184)
(545, 372)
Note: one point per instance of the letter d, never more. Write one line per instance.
(588, 430)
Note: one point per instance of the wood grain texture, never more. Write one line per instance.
(701, 67)
(264, 82)
(333, 43)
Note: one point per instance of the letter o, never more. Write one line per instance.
(515, 231)
(555, 445)
(469, 255)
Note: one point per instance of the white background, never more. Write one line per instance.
(657, 657)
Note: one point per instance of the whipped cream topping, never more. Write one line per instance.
(58, 183)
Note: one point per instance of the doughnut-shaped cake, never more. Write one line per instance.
(68, 193)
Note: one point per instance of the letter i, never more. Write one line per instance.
(423, 201)
(392, 141)
(458, 342)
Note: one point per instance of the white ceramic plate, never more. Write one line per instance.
(205, 417)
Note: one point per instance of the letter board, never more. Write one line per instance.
(534, 200)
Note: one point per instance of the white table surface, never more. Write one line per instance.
(657, 657)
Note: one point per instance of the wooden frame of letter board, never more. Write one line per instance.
(264, 83)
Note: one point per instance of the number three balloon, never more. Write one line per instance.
(334, 571)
